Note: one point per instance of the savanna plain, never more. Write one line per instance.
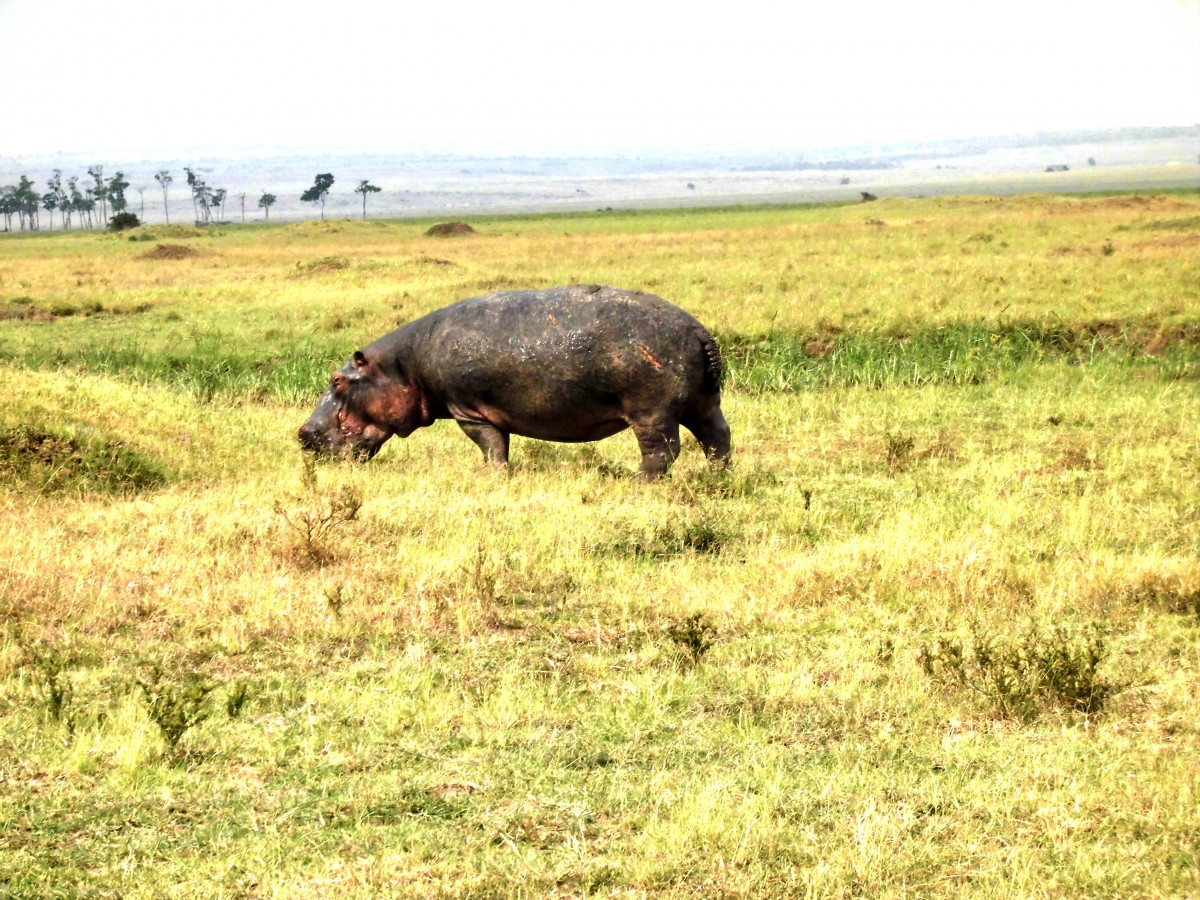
(936, 632)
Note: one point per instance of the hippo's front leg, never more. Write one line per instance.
(490, 439)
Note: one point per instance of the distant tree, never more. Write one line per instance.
(218, 198)
(243, 198)
(56, 198)
(193, 181)
(8, 205)
(1091, 160)
(204, 198)
(163, 177)
(49, 204)
(81, 203)
(115, 191)
(27, 203)
(319, 192)
(142, 198)
(364, 188)
(100, 191)
(266, 201)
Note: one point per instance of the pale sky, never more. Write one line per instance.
(498, 77)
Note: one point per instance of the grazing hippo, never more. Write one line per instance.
(566, 364)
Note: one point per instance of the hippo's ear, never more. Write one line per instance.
(359, 360)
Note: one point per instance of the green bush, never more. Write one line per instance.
(1027, 674)
(693, 635)
(74, 459)
(122, 221)
(175, 704)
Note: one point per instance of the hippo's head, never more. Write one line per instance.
(363, 407)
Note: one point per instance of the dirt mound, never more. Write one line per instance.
(170, 251)
(322, 265)
(449, 229)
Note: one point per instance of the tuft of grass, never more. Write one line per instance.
(897, 451)
(51, 681)
(698, 531)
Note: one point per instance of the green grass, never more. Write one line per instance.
(562, 681)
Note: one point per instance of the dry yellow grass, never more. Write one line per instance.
(481, 685)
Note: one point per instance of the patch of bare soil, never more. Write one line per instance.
(1147, 202)
(22, 312)
(1149, 338)
(1171, 242)
(449, 229)
(39, 446)
(170, 251)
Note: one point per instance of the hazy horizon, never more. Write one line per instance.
(445, 185)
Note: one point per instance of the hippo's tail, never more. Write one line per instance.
(714, 365)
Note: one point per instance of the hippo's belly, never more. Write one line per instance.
(567, 419)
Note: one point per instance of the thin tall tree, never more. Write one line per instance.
(100, 191)
(266, 201)
(115, 191)
(364, 188)
(164, 178)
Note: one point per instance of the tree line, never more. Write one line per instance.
(95, 204)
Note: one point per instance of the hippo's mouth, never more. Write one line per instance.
(359, 447)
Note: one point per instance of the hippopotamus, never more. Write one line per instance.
(570, 364)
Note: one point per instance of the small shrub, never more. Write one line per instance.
(50, 681)
(898, 451)
(481, 577)
(317, 515)
(235, 698)
(175, 705)
(693, 635)
(1024, 675)
(335, 599)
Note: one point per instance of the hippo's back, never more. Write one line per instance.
(608, 339)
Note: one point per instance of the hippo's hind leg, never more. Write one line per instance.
(659, 443)
(712, 431)
(490, 439)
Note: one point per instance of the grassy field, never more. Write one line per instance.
(936, 634)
